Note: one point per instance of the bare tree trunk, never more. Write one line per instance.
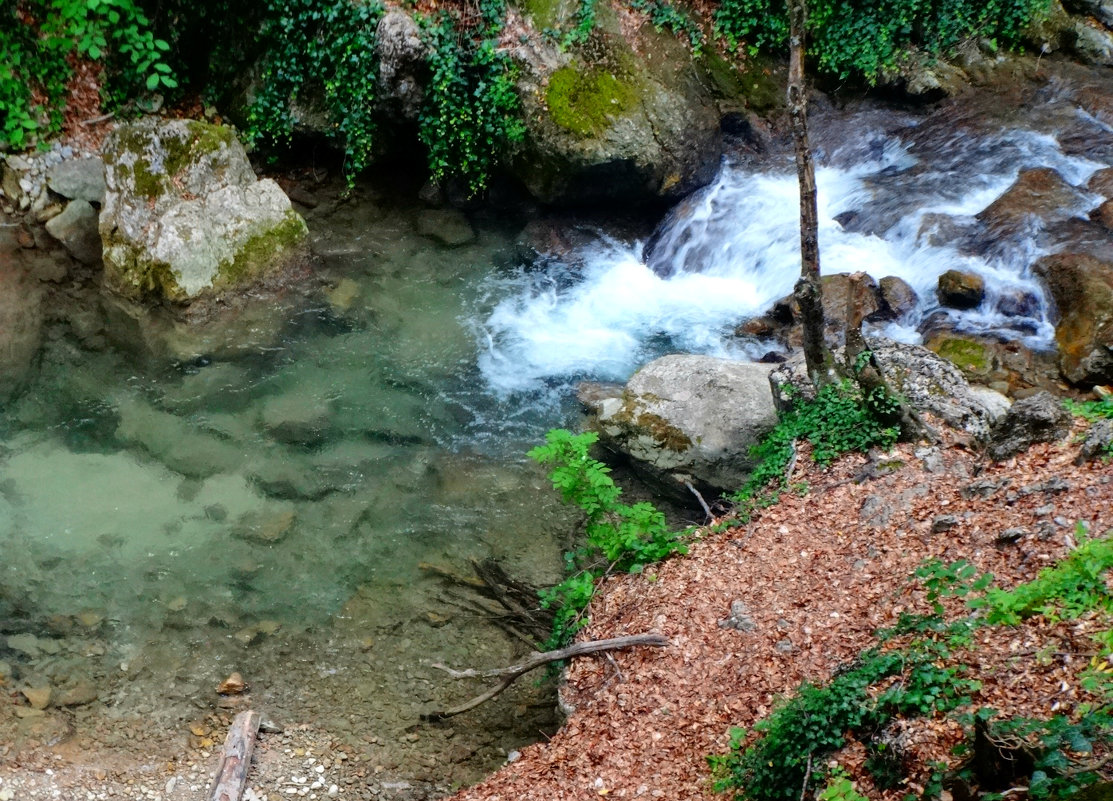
(809, 291)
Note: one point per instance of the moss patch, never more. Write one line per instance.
(259, 252)
(968, 355)
(544, 13)
(586, 103)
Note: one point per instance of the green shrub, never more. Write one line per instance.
(837, 421)
(328, 45)
(472, 112)
(868, 37)
(37, 37)
(619, 536)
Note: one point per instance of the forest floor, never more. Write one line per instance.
(754, 610)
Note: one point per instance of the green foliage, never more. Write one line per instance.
(626, 537)
(814, 723)
(869, 37)
(839, 788)
(1092, 410)
(1073, 587)
(37, 37)
(664, 15)
(837, 421)
(328, 45)
(472, 111)
(583, 24)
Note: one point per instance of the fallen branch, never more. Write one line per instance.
(534, 661)
(231, 775)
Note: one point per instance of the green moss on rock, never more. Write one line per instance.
(587, 103)
(968, 355)
(258, 254)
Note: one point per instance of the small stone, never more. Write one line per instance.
(89, 619)
(943, 523)
(344, 295)
(81, 693)
(233, 685)
(200, 729)
(739, 618)
(7, 794)
(25, 644)
(333, 790)
(37, 697)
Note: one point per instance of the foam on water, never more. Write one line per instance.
(729, 251)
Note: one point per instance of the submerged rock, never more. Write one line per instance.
(1082, 287)
(184, 215)
(76, 229)
(690, 418)
(21, 317)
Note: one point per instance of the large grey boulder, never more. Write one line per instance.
(928, 382)
(690, 418)
(184, 215)
(1038, 418)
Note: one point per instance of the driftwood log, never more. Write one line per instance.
(534, 661)
(235, 761)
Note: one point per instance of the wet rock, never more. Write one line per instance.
(297, 418)
(1039, 196)
(1098, 442)
(184, 215)
(233, 685)
(37, 697)
(928, 382)
(1101, 10)
(21, 318)
(960, 290)
(78, 179)
(343, 296)
(1039, 418)
(175, 441)
(80, 693)
(265, 527)
(447, 226)
(898, 298)
(25, 644)
(1103, 214)
(1082, 288)
(76, 229)
(836, 290)
(690, 418)
(1101, 182)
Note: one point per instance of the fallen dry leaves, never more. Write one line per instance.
(818, 574)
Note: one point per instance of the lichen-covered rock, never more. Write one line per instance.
(633, 123)
(690, 418)
(1038, 418)
(184, 215)
(402, 53)
(926, 381)
(1082, 287)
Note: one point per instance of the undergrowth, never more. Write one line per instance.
(870, 37)
(623, 537)
(837, 421)
(40, 38)
(927, 677)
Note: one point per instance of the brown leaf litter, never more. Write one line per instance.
(816, 575)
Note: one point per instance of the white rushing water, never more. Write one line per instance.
(729, 251)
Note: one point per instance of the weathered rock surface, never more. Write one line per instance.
(447, 226)
(76, 229)
(185, 216)
(961, 290)
(926, 381)
(898, 298)
(78, 179)
(402, 54)
(690, 418)
(1101, 10)
(1082, 288)
(1039, 195)
(1039, 418)
(636, 123)
(1098, 442)
(21, 315)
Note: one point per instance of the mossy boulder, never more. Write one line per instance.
(627, 115)
(184, 215)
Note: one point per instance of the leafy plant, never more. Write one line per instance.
(664, 14)
(870, 37)
(38, 37)
(1091, 410)
(328, 45)
(839, 788)
(837, 421)
(472, 112)
(625, 537)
